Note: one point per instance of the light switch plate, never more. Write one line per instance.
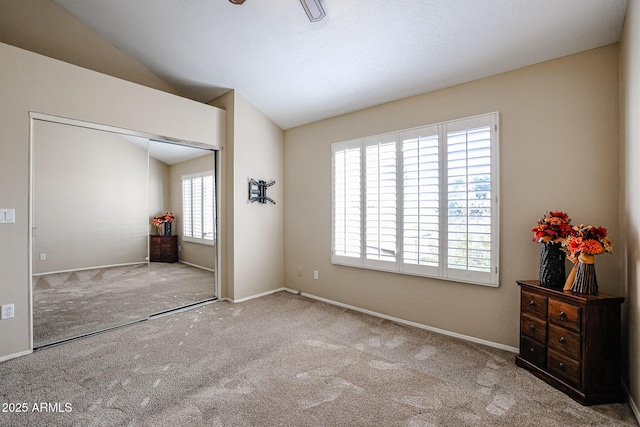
(7, 216)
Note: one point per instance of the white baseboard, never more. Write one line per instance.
(632, 404)
(14, 355)
(90, 268)
(196, 266)
(263, 294)
(409, 323)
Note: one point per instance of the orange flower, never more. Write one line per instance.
(592, 247)
(574, 244)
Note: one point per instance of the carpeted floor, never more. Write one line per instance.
(75, 303)
(283, 360)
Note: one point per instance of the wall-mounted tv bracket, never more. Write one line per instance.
(258, 191)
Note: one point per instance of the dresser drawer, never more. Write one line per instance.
(533, 304)
(564, 367)
(565, 315)
(564, 341)
(533, 327)
(532, 351)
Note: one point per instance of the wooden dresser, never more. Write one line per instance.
(572, 341)
(163, 248)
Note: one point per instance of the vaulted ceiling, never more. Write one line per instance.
(363, 53)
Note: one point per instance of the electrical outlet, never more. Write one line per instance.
(7, 311)
(299, 271)
(315, 275)
(43, 257)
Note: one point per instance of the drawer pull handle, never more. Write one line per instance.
(532, 304)
(561, 365)
(532, 350)
(563, 315)
(532, 327)
(562, 340)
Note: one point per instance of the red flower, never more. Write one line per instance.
(554, 225)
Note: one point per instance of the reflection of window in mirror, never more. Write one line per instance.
(198, 196)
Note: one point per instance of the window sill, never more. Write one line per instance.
(199, 241)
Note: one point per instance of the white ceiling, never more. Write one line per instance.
(167, 152)
(364, 53)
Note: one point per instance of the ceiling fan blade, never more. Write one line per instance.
(314, 10)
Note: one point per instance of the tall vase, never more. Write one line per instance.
(551, 265)
(585, 281)
(572, 275)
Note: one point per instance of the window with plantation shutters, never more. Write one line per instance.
(380, 200)
(421, 201)
(469, 199)
(346, 202)
(198, 208)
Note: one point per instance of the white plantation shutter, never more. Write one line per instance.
(470, 202)
(208, 207)
(346, 202)
(421, 201)
(187, 224)
(380, 197)
(198, 208)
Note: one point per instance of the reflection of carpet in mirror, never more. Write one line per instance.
(69, 304)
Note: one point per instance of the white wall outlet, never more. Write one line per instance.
(43, 257)
(7, 311)
(299, 271)
(315, 275)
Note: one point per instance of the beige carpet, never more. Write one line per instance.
(284, 360)
(75, 303)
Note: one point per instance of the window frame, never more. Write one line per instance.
(442, 270)
(199, 240)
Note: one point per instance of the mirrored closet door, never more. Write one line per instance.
(98, 260)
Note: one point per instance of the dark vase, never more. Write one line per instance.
(552, 265)
(167, 229)
(585, 281)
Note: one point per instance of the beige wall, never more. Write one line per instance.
(559, 151)
(193, 253)
(31, 82)
(255, 238)
(630, 203)
(159, 191)
(43, 27)
(225, 210)
(90, 198)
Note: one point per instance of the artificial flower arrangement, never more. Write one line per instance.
(159, 220)
(588, 240)
(584, 243)
(580, 243)
(554, 226)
